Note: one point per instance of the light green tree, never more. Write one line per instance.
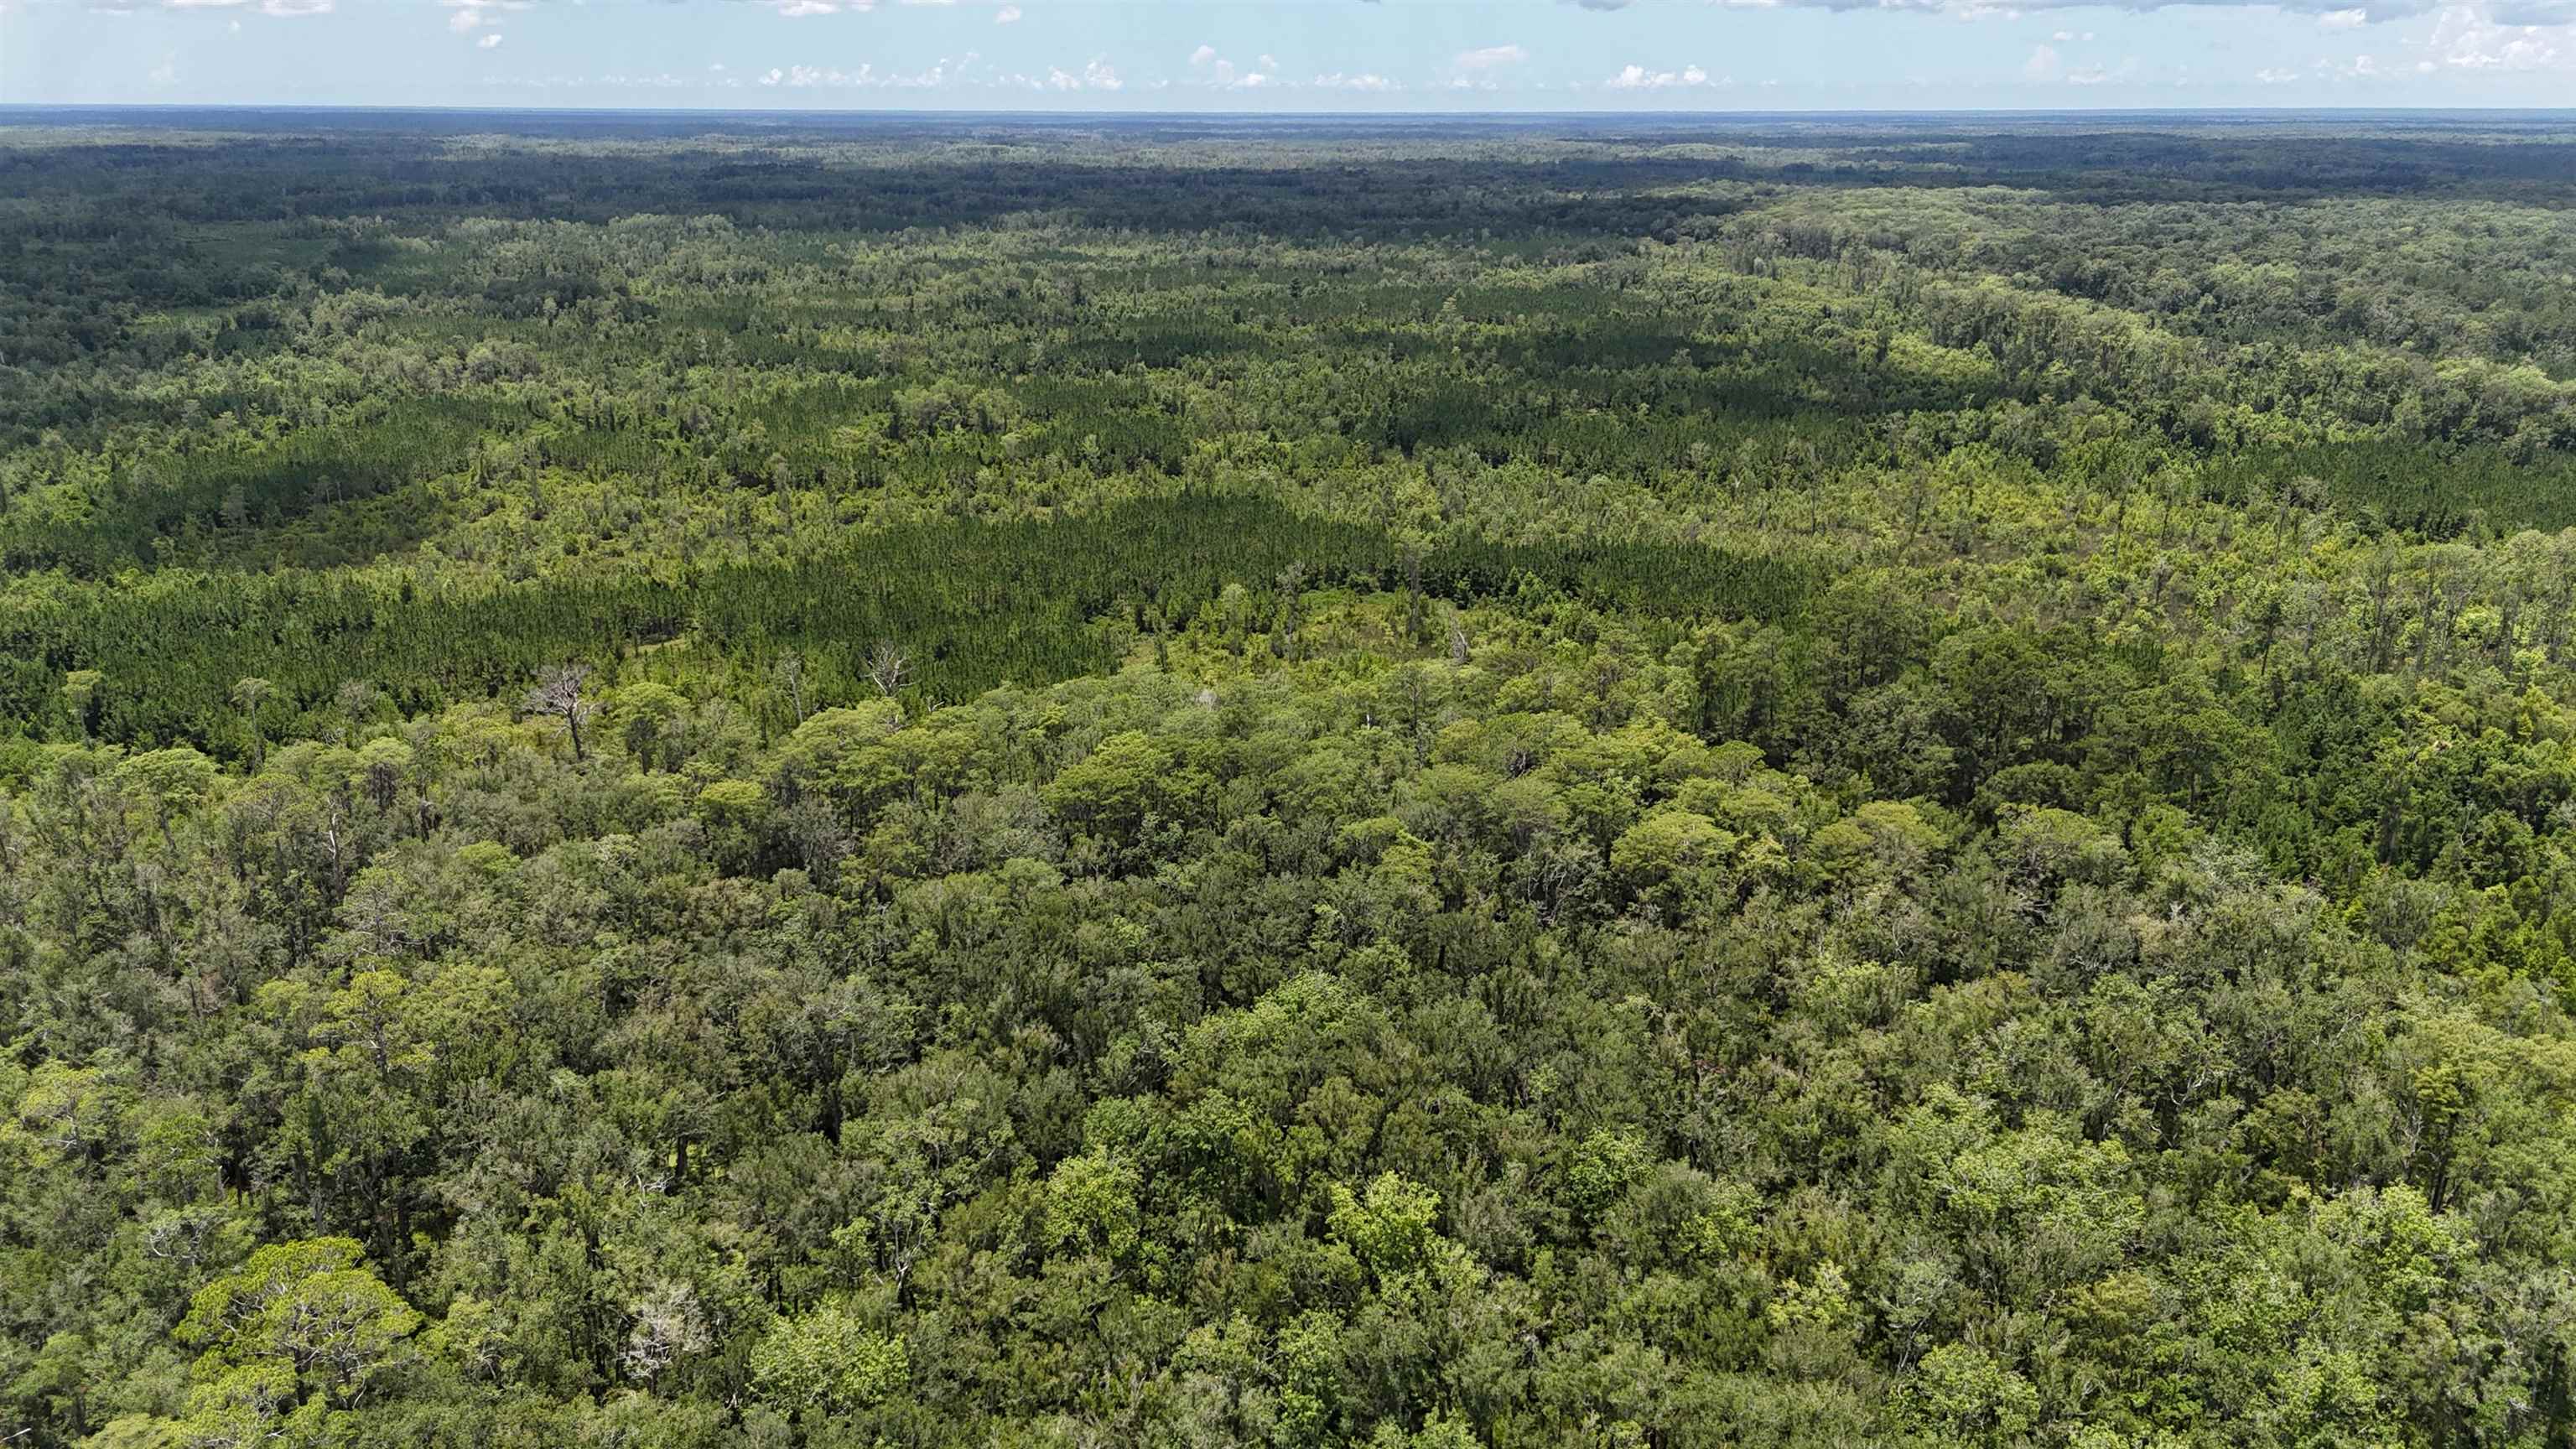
(827, 1362)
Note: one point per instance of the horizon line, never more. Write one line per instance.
(165, 107)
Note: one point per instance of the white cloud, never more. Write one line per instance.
(2547, 14)
(1217, 71)
(489, 42)
(966, 70)
(1638, 78)
(1007, 15)
(2471, 38)
(1370, 81)
(283, 9)
(2551, 15)
(2042, 64)
(2275, 76)
(1493, 56)
(469, 14)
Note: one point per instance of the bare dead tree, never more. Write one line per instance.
(558, 693)
(249, 693)
(791, 672)
(889, 668)
(358, 701)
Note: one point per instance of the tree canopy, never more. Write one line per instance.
(1898, 783)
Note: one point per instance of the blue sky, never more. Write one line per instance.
(1288, 55)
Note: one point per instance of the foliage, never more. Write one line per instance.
(1896, 783)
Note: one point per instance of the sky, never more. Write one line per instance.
(1289, 56)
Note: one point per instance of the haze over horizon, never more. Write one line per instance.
(1287, 57)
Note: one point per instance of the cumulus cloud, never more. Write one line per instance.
(1097, 75)
(1638, 78)
(489, 42)
(2329, 14)
(1212, 69)
(284, 9)
(2042, 64)
(2334, 14)
(968, 71)
(823, 77)
(1491, 57)
(465, 16)
(2467, 38)
(1369, 82)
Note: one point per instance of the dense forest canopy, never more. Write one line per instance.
(676, 782)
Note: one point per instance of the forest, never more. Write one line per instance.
(672, 782)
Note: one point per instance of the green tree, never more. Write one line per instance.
(827, 1362)
(302, 1325)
